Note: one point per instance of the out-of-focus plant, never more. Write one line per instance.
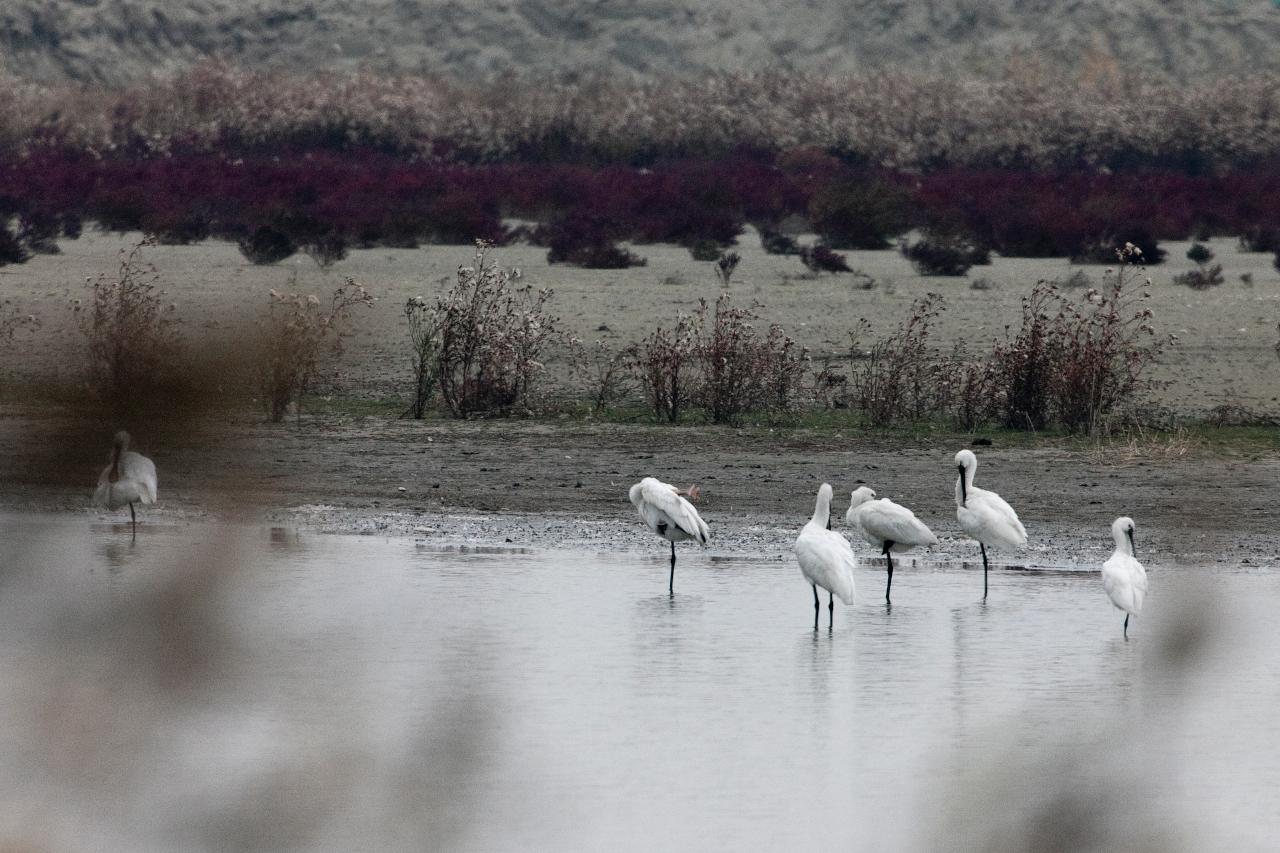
(726, 263)
(492, 337)
(298, 333)
(131, 333)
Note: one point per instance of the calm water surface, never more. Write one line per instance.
(244, 688)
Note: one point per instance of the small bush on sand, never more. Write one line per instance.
(425, 339)
(1201, 278)
(1200, 253)
(492, 336)
(132, 335)
(298, 333)
(819, 258)
(704, 250)
(665, 362)
(777, 243)
(944, 255)
(265, 245)
(725, 265)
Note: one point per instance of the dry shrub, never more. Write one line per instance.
(741, 371)
(606, 371)
(1075, 363)
(491, 339)
(1138, 443)
(298, 333)
(266, 245)
(665, 361)
(900, 377)
(133, 343)
(425, 339)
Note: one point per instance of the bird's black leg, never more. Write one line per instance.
(984, 570)
(888, 558)
(1126, 626)
(671, 582)
(831, 610)
(133, 519)
(817, 605)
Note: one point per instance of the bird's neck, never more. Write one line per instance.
(822, 514)
(1122, 544)
(114, 476)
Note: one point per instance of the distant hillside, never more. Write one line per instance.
(120, 40)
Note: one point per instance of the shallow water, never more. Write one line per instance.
(244, 688)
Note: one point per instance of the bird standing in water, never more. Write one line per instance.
(129, 479)
(668, 514)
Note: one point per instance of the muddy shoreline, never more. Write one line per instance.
(526, 484)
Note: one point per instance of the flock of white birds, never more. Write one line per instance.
(826, 557)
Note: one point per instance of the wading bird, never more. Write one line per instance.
(129, 479)
(886, 525)
(1123, 577)
(984, 515)
(826, 558)
(668, 514)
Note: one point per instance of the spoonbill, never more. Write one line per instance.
(668, 514)
(984, 515)
(826, 558)
(1123, 577)
(886, 525)
(129, 479)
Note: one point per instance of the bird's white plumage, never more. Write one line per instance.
(667, 513)
(880, 520)
(826, 557)
(1123, 577)
(984, 515)
(135, 480)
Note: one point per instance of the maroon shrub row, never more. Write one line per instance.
(323, 202)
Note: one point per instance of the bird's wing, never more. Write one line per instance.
(891, 522)
(826, 558)
(1139, 576)
(679, 511)
(140, 469)
(995, 518)
(1117, 582)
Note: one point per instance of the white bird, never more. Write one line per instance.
(669, 515)
(984, 515)
(129, 479)
(826, 558)
(886, 525)
(1123, 577)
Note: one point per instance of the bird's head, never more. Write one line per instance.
(1122, 532)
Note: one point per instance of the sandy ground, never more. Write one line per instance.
(538, 484)
(1225, 352)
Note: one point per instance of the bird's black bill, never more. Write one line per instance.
(964, 494)
(1132, 548)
